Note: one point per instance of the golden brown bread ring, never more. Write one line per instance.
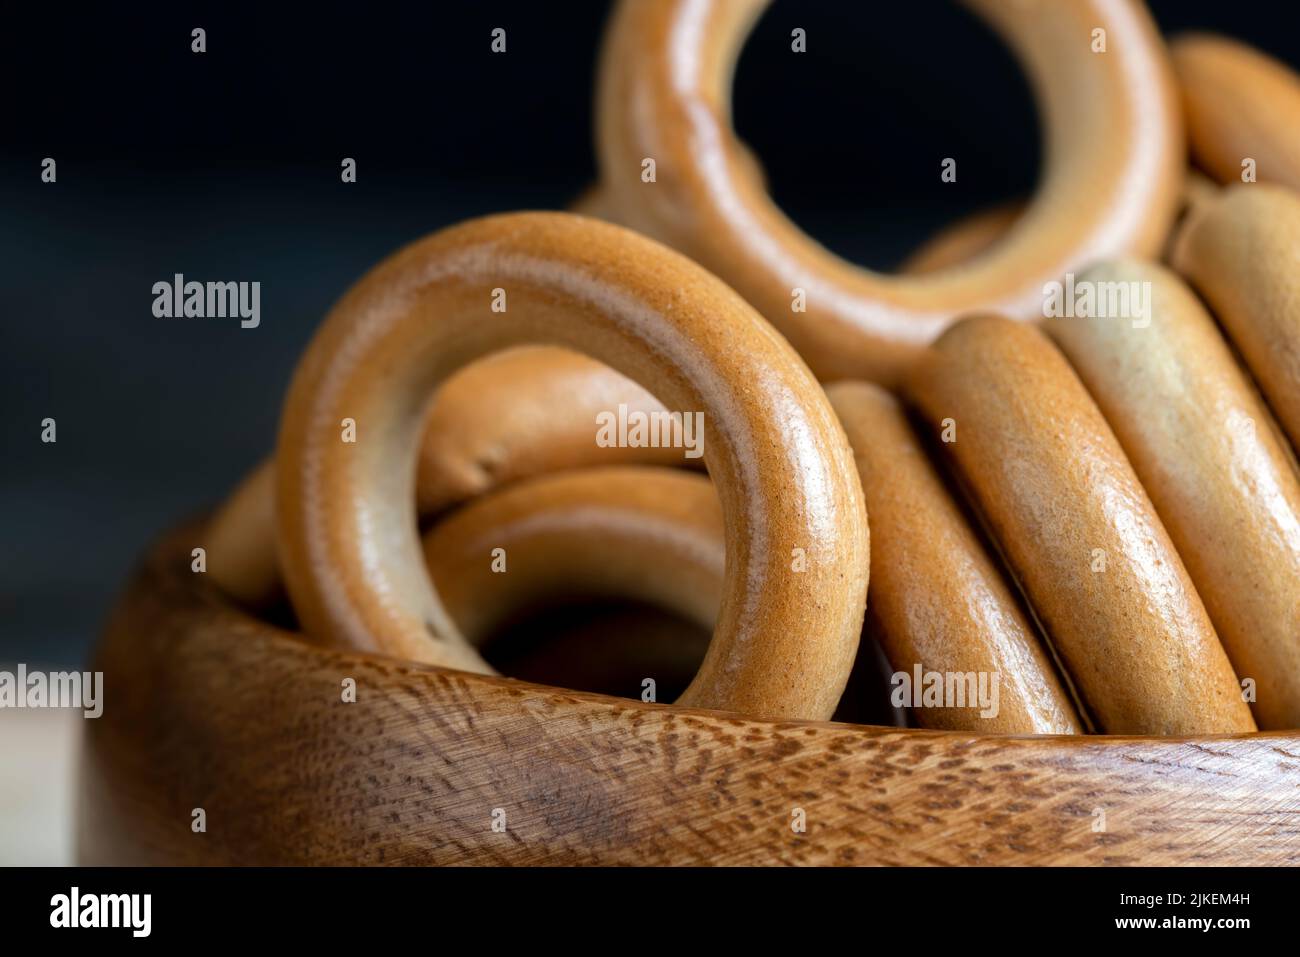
(640, 533)
(634, 532)
(1060, 498)
(962, 240)
(591, 202)
(1197, 188)
(655, 536)
(785, 640)
(596, 201)
(937, 598)
(1114, 148)
(1239, 103)
(1242, 254)
(1209, 455)
(965, 238)
(522, 412)
(240, 541)
(621, 534)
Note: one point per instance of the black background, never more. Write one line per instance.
(225, 165)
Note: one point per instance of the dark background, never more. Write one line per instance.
(225, 166)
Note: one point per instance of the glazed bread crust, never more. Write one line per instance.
(1239, 103)
(1210, 456)
(639, 533)
(1242, 254)
(1078, 531)
(1114, 169)
(937, 598)
(785, 639)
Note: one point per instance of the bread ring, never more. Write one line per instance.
(574, 531)
(647, 534)
(1239, 103)
(597, 201)
(1114, 148)
(239, 540)
(525, 412)
(785, 640)
(964, 239)
(638, 533)
(1208, 454)
(591, 539)
(1242, 254)
(1078, 531)
(508, 416)
(937, 599)
(961, 241)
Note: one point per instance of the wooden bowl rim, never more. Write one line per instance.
(209, 706)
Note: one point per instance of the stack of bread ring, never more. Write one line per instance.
(1103, 511)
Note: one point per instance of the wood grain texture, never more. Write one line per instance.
(206, 707)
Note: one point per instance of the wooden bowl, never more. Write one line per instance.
(207, 708)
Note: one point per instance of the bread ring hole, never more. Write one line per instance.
(612, 647)
(606, 646)
(870, 111)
